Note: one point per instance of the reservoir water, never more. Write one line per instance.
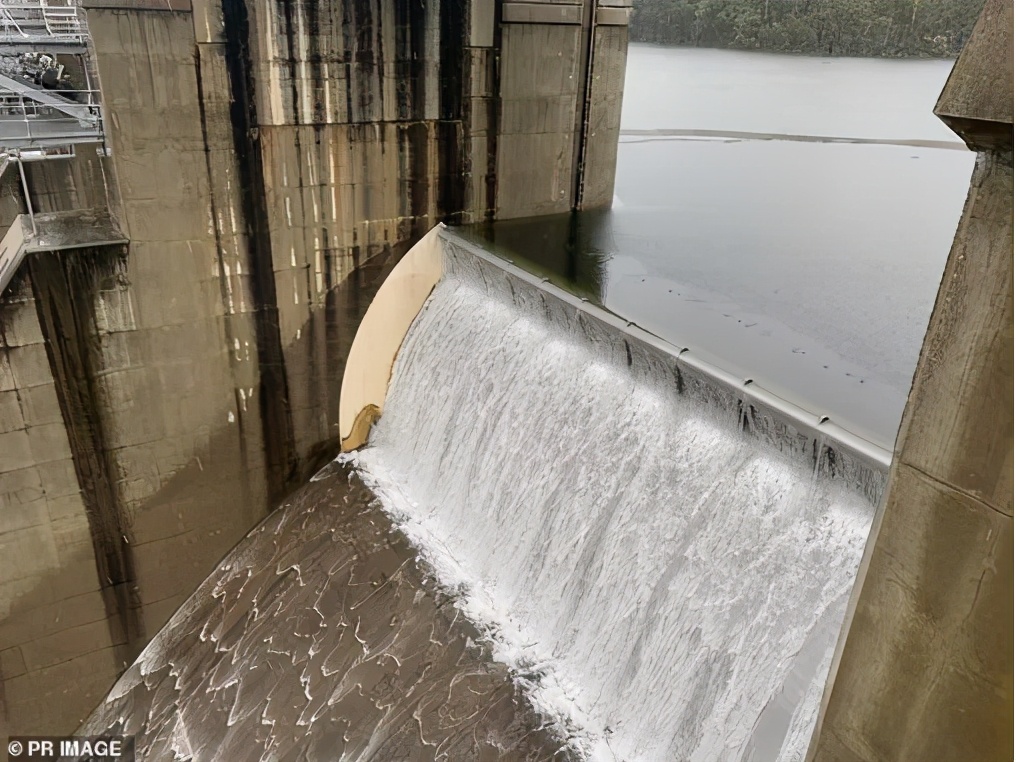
(808, 264)
(556, 546)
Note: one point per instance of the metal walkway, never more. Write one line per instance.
(56, 27)
(39, 107)
(86, 114)
(32, 117)
(48, 106)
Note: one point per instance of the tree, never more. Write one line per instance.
(828, 27)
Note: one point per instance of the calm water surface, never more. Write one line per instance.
(688, 88)
(810, 266)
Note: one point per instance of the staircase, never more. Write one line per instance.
(51, 25)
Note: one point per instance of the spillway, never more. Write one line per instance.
(318, 638)
(664, 564)
(565, 539)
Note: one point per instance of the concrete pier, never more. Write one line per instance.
(925, 669)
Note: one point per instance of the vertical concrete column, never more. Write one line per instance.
(925, 669)
(602, 118)
(560, 76)
(480, 111)
(241, 320)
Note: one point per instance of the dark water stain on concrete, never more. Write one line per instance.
(150, 556)
(450, 153)
(280, 456)
(321, 353)
(320, 636)
(65, 288)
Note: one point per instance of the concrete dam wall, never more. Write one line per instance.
(649, 563)
(185, 292)
(168, 377)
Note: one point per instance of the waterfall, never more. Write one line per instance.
(665, 584)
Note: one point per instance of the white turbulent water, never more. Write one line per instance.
(666, 587)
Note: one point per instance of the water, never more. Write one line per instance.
(571, 531)
(319, 637)
(665, 586)
(811, 266)
(701, 89)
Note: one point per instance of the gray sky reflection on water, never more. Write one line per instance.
(810, 266)
(700, 89)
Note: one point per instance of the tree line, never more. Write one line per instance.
(891, 28)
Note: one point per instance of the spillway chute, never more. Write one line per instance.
(671, 544)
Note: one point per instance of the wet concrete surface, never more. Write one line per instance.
(68, 631)
(321, 636)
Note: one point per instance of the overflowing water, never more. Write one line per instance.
(319, 638)
(663, 584)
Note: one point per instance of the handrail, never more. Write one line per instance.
(26, 121)
(41, 22)
(7, 21)
(74, 103)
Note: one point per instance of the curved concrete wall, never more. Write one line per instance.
(380, 336)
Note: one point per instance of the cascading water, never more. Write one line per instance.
(665, 584)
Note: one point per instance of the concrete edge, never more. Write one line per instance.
(818, 426)
(540, 13)
(170, 6)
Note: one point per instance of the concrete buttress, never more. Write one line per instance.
(925, 670)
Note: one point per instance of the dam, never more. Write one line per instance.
(561, 528)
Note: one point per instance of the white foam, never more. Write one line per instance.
(655, 580)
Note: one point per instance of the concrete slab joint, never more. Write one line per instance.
(541, 13)
(613, 16)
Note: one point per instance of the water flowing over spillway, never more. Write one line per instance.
(666, 585)
(319, 639)
(590, 548)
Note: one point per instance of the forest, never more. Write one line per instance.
(889, 28)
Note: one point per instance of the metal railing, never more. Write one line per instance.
(42, 23)
(48, 105)
(56, 119)
(47, 100)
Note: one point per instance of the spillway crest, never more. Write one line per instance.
(664, 584)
